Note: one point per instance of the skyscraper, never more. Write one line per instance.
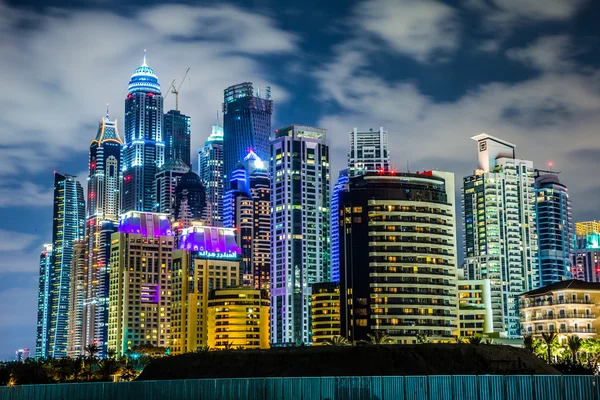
(167, 179)
(300, 241)
(68, 228)
(555, 229)
(210, 170)
(247, 207)
(42, 348)
(340, 186)
(140, 282)
(398, 262)
(246, 124)
(144, 149)
(104, 204)
(586, 253)
(76, 325)
(500, 235)
(368, 151)
(189, 201)
(177, 137)
(586, 227)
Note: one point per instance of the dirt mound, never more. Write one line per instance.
(383, 360)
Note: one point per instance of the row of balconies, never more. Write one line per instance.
(560, 316)
(536, 303)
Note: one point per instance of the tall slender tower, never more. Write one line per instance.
(555, 229)
(104, 204)
(43, 317)
(368, 151)
(500, 235)
(340, 186)
(246, 124)
(177, 137)
(246, 207)
(210, 170)
(68, 228)
(144, 149)
(300, 241)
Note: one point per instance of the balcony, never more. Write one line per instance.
(531, 304)
(561, 316)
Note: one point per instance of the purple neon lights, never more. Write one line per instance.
(145, 224)
(208, 239)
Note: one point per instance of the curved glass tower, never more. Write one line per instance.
(144, 149)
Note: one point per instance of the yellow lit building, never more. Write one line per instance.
(238, 317)
(474, 306)
(325, 312)
(587, 227)
(208, 258)
(567, 308)
(140, 276)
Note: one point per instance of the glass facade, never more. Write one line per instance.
(43, 315)
(341, 185)
(177, 137)
(210, 170)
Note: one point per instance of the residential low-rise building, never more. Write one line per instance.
(474, 306)
(568, 308)
(325, 312)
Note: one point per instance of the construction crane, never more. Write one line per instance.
(172, 89)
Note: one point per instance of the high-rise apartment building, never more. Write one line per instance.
(210, 170)
(340, 186)
(555, 229)
(177, 137)
(586, 257)
(246, 124)
(587, 227)
(325, 311)
(189, 202)
(42, 349)
(103, 207)
(500, 234)
(368, 151)
(140, 282)
(300, 232)
(144, 150)
(167, 179)
(207, 258)
(68, 228)
(78, 292)
(398, 262)
(238, 317)
(247, 207)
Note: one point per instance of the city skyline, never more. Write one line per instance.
(339, 106)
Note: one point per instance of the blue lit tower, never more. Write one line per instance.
(144, 149)
(43, 317)
(246, 125)
(246, 207)
(555, 228)
(340, 186)
(68, 227)
(210, 170)
(103, 206)
(177, 136)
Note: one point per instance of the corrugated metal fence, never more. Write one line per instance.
(483, 387)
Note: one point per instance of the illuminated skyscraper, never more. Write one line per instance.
(207, 258)
(587, 227)
(78, 292)
(247, 208)
(68, 228)
(210, 170)
(246, 124)
(42, 349)
(140, 282)
(555, 229)
(368, 151)
(167, 179)
(586, 253)
(144, 149)
(177, 137)
(189, 200)
(500, 234)
(103, 207)
(300, 240)
(340, 186)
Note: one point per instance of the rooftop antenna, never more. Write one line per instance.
(144, 63)
(107, 115)
(407, 167)
(218, 118)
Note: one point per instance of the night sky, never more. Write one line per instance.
(432, 73)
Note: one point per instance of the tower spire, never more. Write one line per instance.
(217, 117)
(107, 114)
(144, 63)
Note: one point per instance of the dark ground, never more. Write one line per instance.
(381, 360)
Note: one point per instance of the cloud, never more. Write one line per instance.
(18, 305)
(422, 29)
(547, 53)
(507, 13)
(25, 194)
(60, 68)
(12, 241)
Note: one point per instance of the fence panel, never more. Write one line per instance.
(393, 387)
(464, 387)
(416, 387)
(579, 387)
(518, 387)
(549, 387)
(440, 387)
(491, 387)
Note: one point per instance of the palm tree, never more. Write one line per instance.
(422, 338)
(475, 340)
(574, 343)
(549, 339)
(337, 340)
(92, 350)
(111, 353)
(129, 373)
(529, 342)
(379, 337)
